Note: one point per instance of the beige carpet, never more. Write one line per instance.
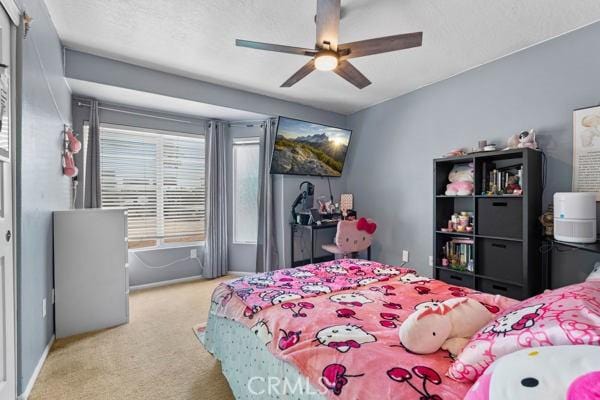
(155, 356)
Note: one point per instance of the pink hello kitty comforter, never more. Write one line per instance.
(337, 322)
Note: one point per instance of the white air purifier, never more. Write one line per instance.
(575, 217)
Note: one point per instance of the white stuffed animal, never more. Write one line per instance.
(448, 326)
(461, 180)
(527, 140)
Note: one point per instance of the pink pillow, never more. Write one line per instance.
(565, 316)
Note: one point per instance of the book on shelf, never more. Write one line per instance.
(459, 253)
(498, 180)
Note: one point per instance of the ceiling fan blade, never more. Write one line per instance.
(380, 45)
(301, 73)
(328, 23)
(275, 47)
(351, 74)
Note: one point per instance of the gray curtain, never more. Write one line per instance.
(266, 249)
(92, 194)
(216, 251)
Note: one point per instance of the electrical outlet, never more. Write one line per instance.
(431, 261)
(44, 307)
(53, 296)
(194, 253)
(404, 255)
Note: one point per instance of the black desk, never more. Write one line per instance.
(312, 228)
(550, 243)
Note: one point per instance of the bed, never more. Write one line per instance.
(330, 330)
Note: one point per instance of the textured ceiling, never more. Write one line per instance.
(196, 39)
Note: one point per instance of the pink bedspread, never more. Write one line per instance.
(337, 322)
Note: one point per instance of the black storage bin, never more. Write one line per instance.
(501, 259)
(504, 289)
(457, 278)
(500, 217)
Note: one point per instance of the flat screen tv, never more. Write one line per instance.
(306, 148)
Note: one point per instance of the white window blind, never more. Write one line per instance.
(159, 178)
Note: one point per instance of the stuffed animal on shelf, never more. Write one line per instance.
(512, 186)
(513, 142)
(549, 372)
(527, 140)
(447, 326)
(461, 180)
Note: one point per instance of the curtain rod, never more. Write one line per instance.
(80, 104)
(249, 123)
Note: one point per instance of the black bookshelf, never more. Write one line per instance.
(506, 234)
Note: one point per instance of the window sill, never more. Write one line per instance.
(168, 246)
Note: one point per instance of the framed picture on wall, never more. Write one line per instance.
(586, 150)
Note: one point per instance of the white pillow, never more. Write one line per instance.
(595, 274)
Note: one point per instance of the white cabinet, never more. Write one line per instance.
(90, 270)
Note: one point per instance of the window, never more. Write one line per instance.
(159, 178)
(246, 152)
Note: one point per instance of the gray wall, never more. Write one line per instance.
(285, 192)
(41, 187)
(151, 265)
(91, 68)
(390, 160)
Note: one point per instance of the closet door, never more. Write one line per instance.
(7, 272)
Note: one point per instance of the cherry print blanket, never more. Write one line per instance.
(337, 322)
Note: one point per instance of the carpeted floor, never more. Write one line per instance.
(155, 356)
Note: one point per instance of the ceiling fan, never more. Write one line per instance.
(328, 55)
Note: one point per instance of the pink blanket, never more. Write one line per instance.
(341, 332)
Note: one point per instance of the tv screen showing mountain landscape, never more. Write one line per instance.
(305, 148)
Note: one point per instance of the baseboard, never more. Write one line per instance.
(165, 283)
(36, 371)
(240, 273)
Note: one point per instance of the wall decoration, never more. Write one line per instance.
(586, 150)
(71, 146)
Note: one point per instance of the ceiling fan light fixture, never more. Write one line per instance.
(326, 60)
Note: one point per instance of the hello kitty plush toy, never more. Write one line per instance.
(448, 326)
(461, 180)
(549, 372)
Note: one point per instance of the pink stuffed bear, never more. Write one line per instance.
(549, 372)
(447, 326)
(461, 180)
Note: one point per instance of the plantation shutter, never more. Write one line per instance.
(159, 178)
